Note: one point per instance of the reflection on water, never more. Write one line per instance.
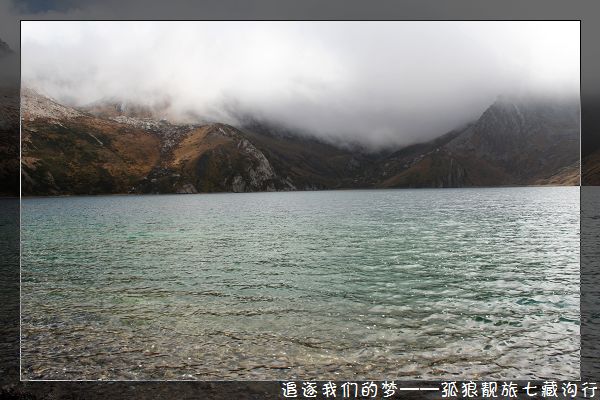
(472, 283)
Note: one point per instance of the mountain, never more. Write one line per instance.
(112, 148)
(519, 141)
(65, 151)
(313, 164)
(9, 121)
(590, 169)
(9, 141)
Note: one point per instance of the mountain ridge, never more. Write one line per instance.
(86, 151)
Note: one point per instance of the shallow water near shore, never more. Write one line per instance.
(358, 284)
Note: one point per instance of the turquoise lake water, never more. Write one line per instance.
(357, 284)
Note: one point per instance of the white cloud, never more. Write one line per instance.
(372, 82)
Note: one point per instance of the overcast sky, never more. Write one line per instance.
(376, 83)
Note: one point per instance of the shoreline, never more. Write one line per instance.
(285, 191)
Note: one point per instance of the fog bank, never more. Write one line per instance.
(373, 83)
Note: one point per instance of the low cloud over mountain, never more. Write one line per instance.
(373, 84)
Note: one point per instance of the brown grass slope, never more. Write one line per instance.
(84, 155)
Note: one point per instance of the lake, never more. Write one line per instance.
(357, 284)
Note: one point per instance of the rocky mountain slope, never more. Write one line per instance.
(111, 149)
(65, 151)
(515, 142)
(9, 141)
(9, 121)
(590, 169)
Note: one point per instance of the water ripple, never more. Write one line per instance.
(419, 284)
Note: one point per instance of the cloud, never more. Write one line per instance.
(373, 83)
